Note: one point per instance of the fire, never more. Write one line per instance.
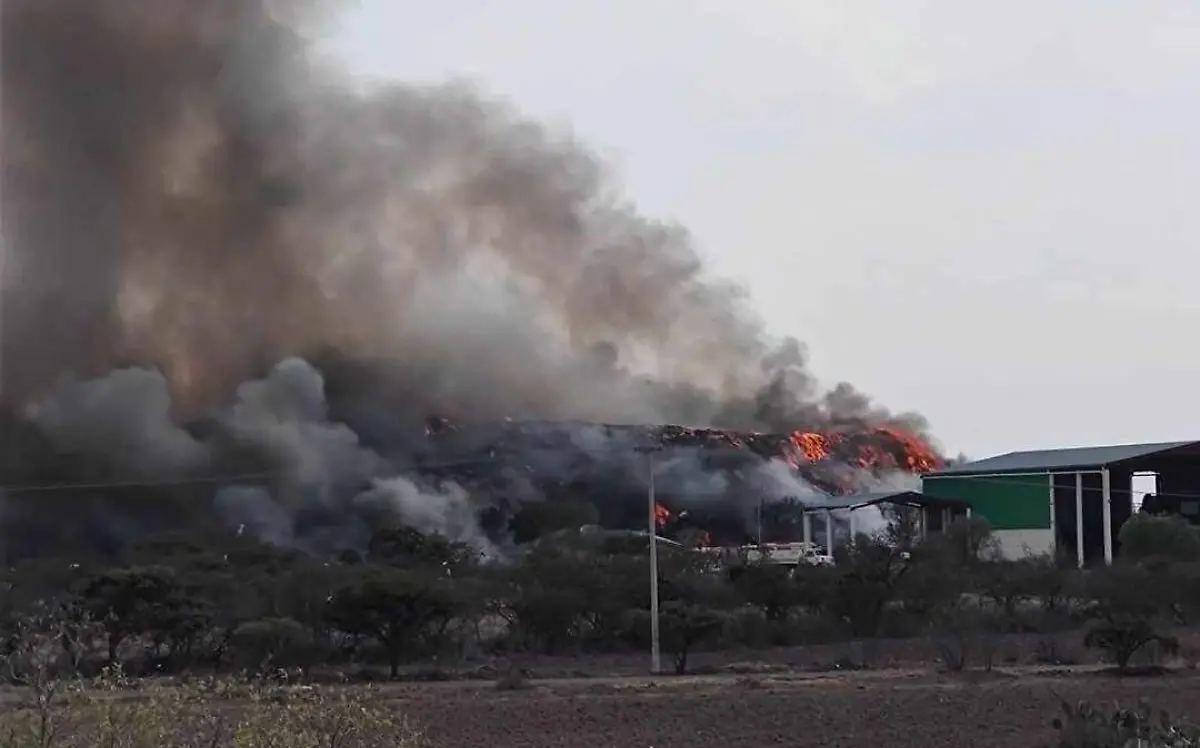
(873, 448)
(814, 447)
(829, 460)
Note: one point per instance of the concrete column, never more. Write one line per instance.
(1079, 519)
(829, 531)
(853, 527)
(1106, 490)
(807, 520)
(1053, 514)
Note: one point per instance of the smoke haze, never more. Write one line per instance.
(191, 195)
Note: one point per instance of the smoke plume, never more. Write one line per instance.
(192, 194)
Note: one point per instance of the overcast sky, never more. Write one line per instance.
(983, 211)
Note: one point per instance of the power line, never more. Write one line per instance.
(265, 477)
(1044, 484)
(251, 477)
(33, 488)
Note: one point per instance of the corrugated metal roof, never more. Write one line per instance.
(859, 500)
(1052, 460)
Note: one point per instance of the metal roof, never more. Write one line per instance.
(1060, 460)
(860, 500)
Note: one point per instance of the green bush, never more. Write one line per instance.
(1128, 610)
(1144, 537)
(272, 643)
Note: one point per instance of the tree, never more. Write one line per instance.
(967, 541)
(547, 596)
(402, 610)
(682, 626)
(1008, 584)
(1126, 612)
(272, 642)
(135, 601)
(770, 588)
(1050, 581)
(903, 526)
(868, 573)
(406, 548)
(1144, 537)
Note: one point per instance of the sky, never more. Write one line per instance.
(984, 212)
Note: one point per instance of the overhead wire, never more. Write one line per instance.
(200, 480)
(994, 479)
(1044, 484)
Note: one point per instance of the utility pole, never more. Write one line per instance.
(652, 506)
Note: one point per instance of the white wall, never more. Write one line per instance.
(1018, 543)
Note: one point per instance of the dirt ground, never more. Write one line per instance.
(787, 697)
(780, 698)
(861, 709)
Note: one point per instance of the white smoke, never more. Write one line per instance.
(778, 480)
(285, 414)
(252, 510)
(446, 510)
(124, 418)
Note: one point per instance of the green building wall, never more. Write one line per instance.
(1007, 502)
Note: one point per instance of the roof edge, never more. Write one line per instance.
(964, 470)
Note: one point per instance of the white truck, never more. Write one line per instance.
(781, 554)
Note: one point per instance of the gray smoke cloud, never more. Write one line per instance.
(188, 186)
(191, 195)
(124, 417)
(323, 464)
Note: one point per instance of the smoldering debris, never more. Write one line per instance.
(194, 195)
(275, 464)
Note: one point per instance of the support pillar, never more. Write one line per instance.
(1106, 490)
(807, 520)
(947, 518)
(1079, 519)
(853, 528)
(829, 531)
(1053, 514)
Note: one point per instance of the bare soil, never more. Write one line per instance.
(804, 696)
(778, 698)
(863, 710)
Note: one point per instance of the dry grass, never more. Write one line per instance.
(117, 713)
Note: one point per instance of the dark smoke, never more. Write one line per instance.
(191, 195)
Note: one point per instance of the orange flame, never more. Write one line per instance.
(876, 448)
(661, 515)
(814, 447)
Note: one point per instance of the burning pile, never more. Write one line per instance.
(104, 459)
(234, 278)
(701, 467)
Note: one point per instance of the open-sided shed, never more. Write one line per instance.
(1067, 500)
(936, 512)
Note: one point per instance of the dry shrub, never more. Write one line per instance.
(1084, 725)
(513, 678)
(117, 713)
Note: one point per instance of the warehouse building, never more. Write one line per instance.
(1071, 501)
